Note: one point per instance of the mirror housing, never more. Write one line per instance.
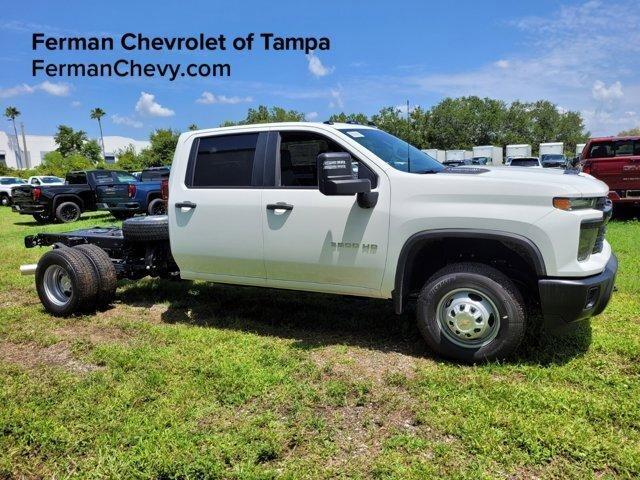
(335, 175)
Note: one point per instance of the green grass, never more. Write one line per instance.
(191, 380)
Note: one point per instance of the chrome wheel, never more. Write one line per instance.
(468, 317)
(57, 285)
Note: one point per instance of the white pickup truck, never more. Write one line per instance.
(349, 209)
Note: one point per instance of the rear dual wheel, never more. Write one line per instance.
(73, 280)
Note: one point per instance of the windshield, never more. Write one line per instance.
(553, 157)
(397, 153)
(524, 162)
(10, 181)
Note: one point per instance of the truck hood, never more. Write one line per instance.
(580, 184)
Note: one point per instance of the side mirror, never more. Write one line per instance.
(335, 175)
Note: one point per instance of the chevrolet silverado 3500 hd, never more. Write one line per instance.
(349, 209)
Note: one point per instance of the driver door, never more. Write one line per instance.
(318, 242)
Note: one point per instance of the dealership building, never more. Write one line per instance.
(12, 149)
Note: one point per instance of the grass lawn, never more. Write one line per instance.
(192, 380)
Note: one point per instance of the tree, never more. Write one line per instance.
(632, 132)
(263, 114)
(54, 163)
(160, 152)
(69, 140)
(342, 117)
(129, 160)
(12, 113)
(91, 151)
(96, 114)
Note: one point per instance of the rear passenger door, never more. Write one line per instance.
(318, 242)
(215, 210)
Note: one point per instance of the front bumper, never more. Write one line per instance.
(119, 207)
(566, 300)
(28, 209)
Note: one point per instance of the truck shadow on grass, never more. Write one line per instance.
(317, 320)
(99, 217)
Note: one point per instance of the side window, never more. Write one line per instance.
(298, 154)
(224, 161)
(624, 148)
(601, 150)
(35, 181)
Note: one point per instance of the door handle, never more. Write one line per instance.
(279, 206)
(186, 204)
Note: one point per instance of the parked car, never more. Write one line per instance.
(278, 205)
(65, 203)
(525, 162)
(615, 161)
(124, 200)
(553, 160)
(481, 161)
(45, 180)
(6, 184)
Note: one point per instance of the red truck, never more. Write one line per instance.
(615, 161)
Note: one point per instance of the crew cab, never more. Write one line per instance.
(65, 203)
(351, 210)
(141, 195)
(615, 161)
(6, 184)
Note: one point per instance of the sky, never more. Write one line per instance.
(581, 55)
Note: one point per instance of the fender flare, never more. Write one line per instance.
(412, 246)
(67, 196)
(152, 195)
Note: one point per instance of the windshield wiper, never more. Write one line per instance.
(426, 171)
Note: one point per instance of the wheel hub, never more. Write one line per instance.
(468, 317)
(57, 285)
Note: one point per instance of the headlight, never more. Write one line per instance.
(574, 203)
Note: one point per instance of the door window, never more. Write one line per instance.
(298, 154)
(224, 161)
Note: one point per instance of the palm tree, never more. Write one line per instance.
(12, 113)
(96, 114)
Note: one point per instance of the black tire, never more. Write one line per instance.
(68, 212)
(494, 289)
(80, 276)
(5, 200)
(121, 215)
(144, 229)
(105, 272)
(43, 218)
(157, 206)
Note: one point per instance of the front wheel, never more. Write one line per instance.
(5, 200)
(471, 312)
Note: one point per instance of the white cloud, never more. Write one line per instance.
(336, 98)
(316, 67)
(311, 116)
(128, 121)
(57, 89)
(207, 98)
(147, 105)
(563, 53)
(600, 91)
(76, 103)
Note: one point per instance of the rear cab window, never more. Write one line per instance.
(154, 175)
(222, 161)
(614, 148)
(77, 178)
